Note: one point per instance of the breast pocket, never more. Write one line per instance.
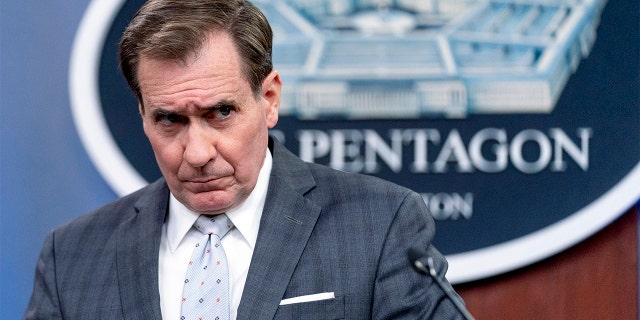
(329, 309)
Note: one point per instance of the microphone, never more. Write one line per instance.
(423, 262)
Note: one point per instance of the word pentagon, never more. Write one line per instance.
(490, 150)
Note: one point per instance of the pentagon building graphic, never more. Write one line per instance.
(368, 59)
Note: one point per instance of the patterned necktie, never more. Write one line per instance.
(205, 294)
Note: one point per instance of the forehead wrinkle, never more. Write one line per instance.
(197, 104)
(193, 90)
(174, 81)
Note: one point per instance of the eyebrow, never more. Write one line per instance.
(220, 104)
(156, 112)
(159, 111)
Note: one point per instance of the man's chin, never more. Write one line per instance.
(212, 202)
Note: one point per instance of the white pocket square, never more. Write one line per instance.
(308, 298)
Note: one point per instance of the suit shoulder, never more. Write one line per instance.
(111, 214)
(354, 189)
(329, 176)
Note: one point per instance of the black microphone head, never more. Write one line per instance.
(416, 253)
(417, 257)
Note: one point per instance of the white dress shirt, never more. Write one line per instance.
(179, 238)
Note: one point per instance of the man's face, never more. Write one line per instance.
(208, 131)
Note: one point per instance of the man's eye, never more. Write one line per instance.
(224, 111)
(169, 118)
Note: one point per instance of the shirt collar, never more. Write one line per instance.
(245, 217)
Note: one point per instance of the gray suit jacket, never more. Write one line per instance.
(322, 230)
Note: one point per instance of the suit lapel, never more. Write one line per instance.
(287, 221)
(137, 254)
(286, 224)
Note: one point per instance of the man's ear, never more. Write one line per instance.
(271, 88)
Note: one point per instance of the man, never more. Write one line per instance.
(305, 241)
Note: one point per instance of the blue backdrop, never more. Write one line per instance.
(46, 177)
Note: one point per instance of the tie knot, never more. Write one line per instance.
(218, 224)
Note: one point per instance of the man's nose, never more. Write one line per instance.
(200, 145)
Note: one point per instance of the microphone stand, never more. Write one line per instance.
(416, 256)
